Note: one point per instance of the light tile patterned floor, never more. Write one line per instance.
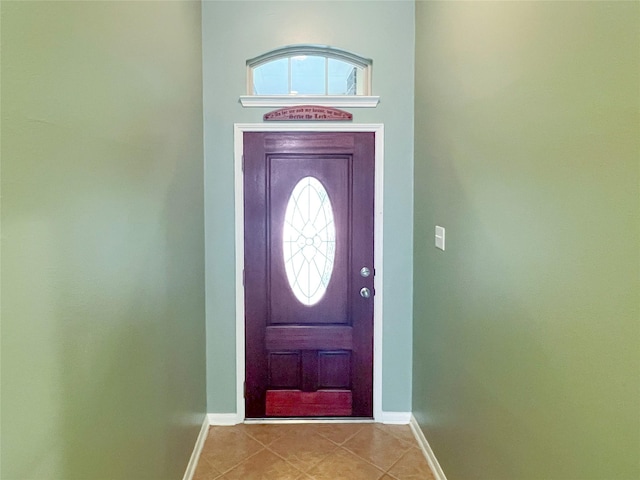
(316, 451)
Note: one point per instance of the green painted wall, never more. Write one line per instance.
(103, 353)
(234, 31)
(527, 328)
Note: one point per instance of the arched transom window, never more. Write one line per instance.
(309, 71)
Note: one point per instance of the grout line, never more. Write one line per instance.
(242, 461)
(381, 427)
(335, 444)
(352, 453)
(395, 463)
(203, 459)
(265, 445)
(407, 447)
(297, 469)
(345, 440)
(369, 461)
(291, 464)
(335, 448)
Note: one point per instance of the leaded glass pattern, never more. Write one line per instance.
(309, 240)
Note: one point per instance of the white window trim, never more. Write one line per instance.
(352, 101)
(378, 130)
(338, 101)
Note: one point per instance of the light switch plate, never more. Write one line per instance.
(440, 237)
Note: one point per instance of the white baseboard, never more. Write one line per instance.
(224, 419)
(395, 418)
(197, 449)
(426, 449)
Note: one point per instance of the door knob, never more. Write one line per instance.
(365, 292)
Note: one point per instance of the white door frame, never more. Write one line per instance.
(378, 130)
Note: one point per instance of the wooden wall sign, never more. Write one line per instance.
(307, 113)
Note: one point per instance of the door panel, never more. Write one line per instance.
(333, 173)
(308, 356)
(293, 403)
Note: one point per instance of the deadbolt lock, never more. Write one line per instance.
(365, 272)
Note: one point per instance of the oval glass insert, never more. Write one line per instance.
(309, 240)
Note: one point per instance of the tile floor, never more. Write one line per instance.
(316, 451)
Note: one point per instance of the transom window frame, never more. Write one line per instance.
(362, 101)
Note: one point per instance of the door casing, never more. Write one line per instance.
(378, 130)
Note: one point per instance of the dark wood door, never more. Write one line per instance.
(308, 222)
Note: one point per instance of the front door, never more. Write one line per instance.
(308, 248)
